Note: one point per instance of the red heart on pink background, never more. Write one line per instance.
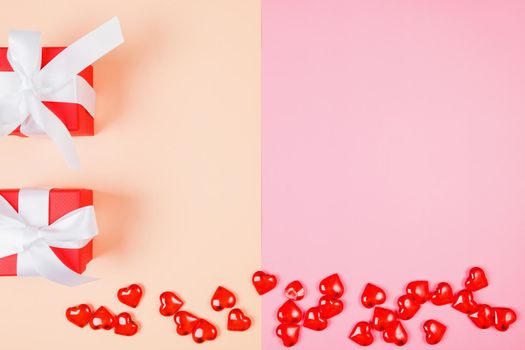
(372, 296)
(263, 282)
(288, 333)
(313, 319)
(332, 286)
(362, 334)
(476, 279)
(442, 295)
(434, 331)
(289, 312)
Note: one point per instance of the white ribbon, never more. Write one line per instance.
(23, 90)
(28, 234)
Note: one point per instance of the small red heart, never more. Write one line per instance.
(222, 299)
(396, 334)
(362, 334)
(372, 296)
(314, 320)
(79, 315)
(185, 322)
(483, 317)
(332, 286)
(434, 331)
(289, 312)
(476, 279)
(408, 307)
(420, 290)
(263, 282)
(503, 318)
(238, 321)
(443, 294)
(330, 306)
(204, 331)
(170, 303)
(294, 291)
(464, 302)
(289, 333)
(102, 319)
(383, 319)
(124, 324)
(130, 295)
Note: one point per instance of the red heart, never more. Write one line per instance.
(102, 319)
(476, 279)
(503, 318)
(170, 303)
(222, 299)
(443, 294)
(330, 306)
(420, 290)
(263, 282)
(204, 331)
(185, 322)
(125, 325)
(372, 296)
(396, 334)
(289, 312)
(383, 319)
(238, 321)
(362, 334)
(483, 317)
(332, 286)
(314, 320)
(408, 307)
(289, 334)
(464, 302)
(130, 295)
(434, 331)
(79, 315)
(294, 291)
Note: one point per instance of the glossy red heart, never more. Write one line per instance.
(130, 295)
(204, 331)
(185, 322)
(289, 312)
(294, 291)
(222, 299)
(332, 286)
(79, 315)
(124, 324)
(289, 334)
(372, 296)
(442, 295)
(396, 334)
(420, 290)
(484, 317)
(330, 306)
(362, 334)
(434, 331)
(170, 303)
(383, 319)
(238, 321)
(408, 306)
(102, 318)
(263, 282)
(464, 302)
(476, 279)
(313, 319)
(503, 318)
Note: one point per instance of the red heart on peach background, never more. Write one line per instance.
(125, 325)
(130, 295)
(185, 322)
(222, 299)
(204, 331)
(79, 315)
(170, 303)
(238, 321)
(263, 282)
(102, 318)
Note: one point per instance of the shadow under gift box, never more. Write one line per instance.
(61, 202)
(75, 117)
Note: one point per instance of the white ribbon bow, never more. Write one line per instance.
(22, 233)
(23, 90)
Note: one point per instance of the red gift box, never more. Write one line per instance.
(74, 116)
(61, 202)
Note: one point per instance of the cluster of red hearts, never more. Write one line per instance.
(387, 322)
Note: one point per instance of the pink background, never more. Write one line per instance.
(394, 149)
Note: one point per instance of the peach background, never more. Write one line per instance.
(175, 165)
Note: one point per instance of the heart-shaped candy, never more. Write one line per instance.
(130, 295)
(372, 296)
(332, 286)
(420, 290)
(289, 333)
(383, 319)
(124, 324)
(185, 322)
(330, 306)
(204, 331)
(238, 321)
(503, 318)
(294, 291)
(434, 331)
(79, 315)
(408, 306)
(313, 319)
(289, 312)
(222, 299)
(476, 279)
(362, 334)
(102, 318)
(442, 295)
(396, 334)
(263, 282)
(170, 303)
(464, 302)
(483, 317)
